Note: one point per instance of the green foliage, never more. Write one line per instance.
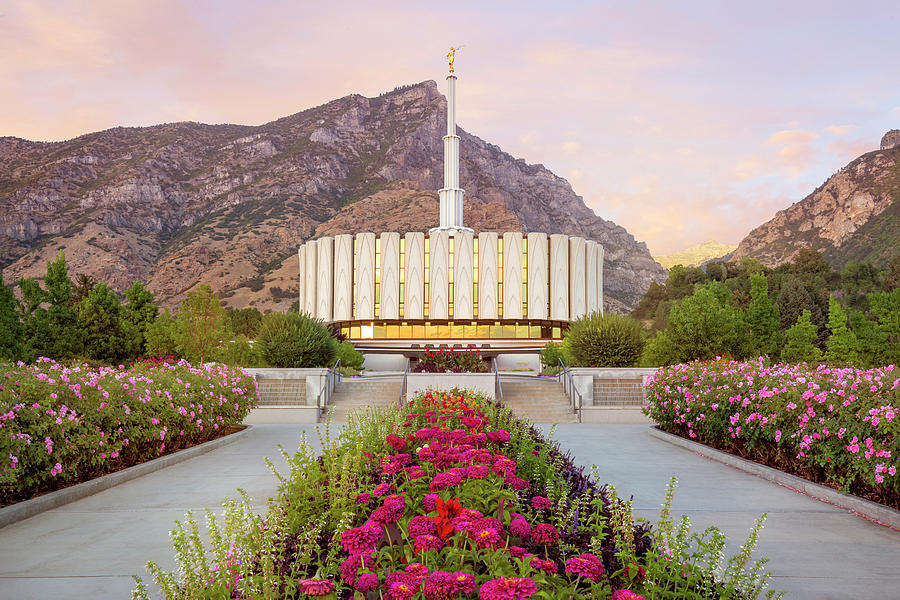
(857, 281)
(717, 271)
(244, 321)
(162, 336)
(762, 319)
(604, 340)
(794, 298)
(350, 357)
(11, 329)
(890, 279)
(886, 310)
(139, 311)
(659, 351)
(551, 354)
(706, 325)
(238, 352)
(108, 337)
(646, 308)
(799, 343)
(201, 324)
(54, 331)
(843, 347)
(295, 340)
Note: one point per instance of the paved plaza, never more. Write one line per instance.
(90, 548)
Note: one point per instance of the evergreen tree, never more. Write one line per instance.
(55, 331)
(843, 347)
(762, 319)
(108, 337)
(140, 311)
(872, 341)
(890, 278)
(799, 342)
(201, 324)
(11, 328)
(794, 298)
(886, 309)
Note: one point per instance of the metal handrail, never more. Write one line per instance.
(332, 378)
(498, 387)
(570, 389)
(403, 383)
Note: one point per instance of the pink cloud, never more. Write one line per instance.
(791, 136)
(839, 129)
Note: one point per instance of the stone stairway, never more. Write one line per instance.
(355, 393)
(536, 399)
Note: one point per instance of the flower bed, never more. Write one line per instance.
(451, 360)
(835, 426)
(447, 497)
(61, 425)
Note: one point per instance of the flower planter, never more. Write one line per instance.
(419, 382)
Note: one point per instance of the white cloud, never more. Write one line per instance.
(839, 129)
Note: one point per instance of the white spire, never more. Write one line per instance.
(451, 194)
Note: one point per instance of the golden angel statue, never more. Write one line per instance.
(452, 55)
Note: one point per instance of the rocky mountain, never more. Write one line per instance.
(183, 204)
(853, 216)
(695, 255)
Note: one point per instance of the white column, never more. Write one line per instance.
(312, 255)
(390, 275)
(463, 275)
(324, 287)
(600, 276)
(487, 275)
(364, 263)
(576, 278)
(559, 277)
(343, 277)
(512, 275)
(414, 279)
(538, 276)
(301, 278)
(439, 275)
(590, 280)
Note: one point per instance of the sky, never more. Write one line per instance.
(681, 121)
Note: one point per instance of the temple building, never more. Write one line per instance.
(495, 290)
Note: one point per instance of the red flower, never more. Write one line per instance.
(447, 511)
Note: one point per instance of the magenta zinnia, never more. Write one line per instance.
(507, 588)
(586, 565)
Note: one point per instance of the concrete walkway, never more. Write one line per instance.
(90, 548)
(816, 551)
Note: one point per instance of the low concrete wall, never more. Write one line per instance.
(610, 387)
(282, 415)
(384, 362)
(519, 362)
(613, 415)
(418, 382)
(289, 387)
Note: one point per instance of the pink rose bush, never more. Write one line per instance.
(837, 426)
(447, 498)
(61, 424)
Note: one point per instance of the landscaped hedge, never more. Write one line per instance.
(448, 497)
(837, 426)
(61, 425)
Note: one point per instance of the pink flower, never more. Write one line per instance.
(507, 588)
(55, 470)
(626, 595)
(586, 565)
(545, 534)
(316, 587)
(540, 502)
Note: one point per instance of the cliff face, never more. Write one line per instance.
(853, 216)
(183, 204)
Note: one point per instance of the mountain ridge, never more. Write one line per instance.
(180, 204)
(854, 215)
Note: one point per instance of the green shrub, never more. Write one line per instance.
(238, 352)
(598, 340)
(659, 351)
(551, 355)
(350, 357)
(295, 340)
